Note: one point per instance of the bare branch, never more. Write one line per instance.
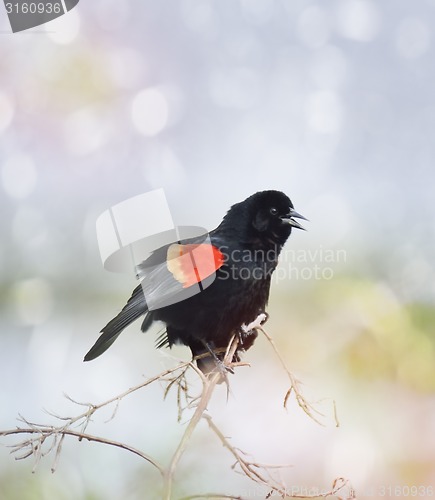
(294, 388)
(54, 432)
(250, 468)
(44, 439)
(42, 433)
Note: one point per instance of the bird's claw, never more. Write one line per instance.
(223, 368)
(253, 325)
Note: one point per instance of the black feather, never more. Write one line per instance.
(135, 308)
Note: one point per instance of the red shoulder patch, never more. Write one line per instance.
(190, 264)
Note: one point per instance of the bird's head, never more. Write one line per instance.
(266, 215)
(274, 214)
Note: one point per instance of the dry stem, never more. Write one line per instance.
(294, 388)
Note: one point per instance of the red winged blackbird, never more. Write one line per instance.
(236, 281)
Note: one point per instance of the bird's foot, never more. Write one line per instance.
(253, 325)
(221, 367)
(221, 370)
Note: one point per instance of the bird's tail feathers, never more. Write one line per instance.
(135, 307)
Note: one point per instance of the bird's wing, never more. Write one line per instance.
(179, 270)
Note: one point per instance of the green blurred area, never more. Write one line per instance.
(372, 334)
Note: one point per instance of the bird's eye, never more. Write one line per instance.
(273, 211)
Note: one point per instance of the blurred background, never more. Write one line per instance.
(331, 102)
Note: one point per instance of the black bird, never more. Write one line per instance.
(203, 304)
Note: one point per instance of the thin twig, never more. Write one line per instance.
(249, 468)
(52, 432)
(307, 407)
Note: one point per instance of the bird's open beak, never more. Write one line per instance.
(290, 219)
